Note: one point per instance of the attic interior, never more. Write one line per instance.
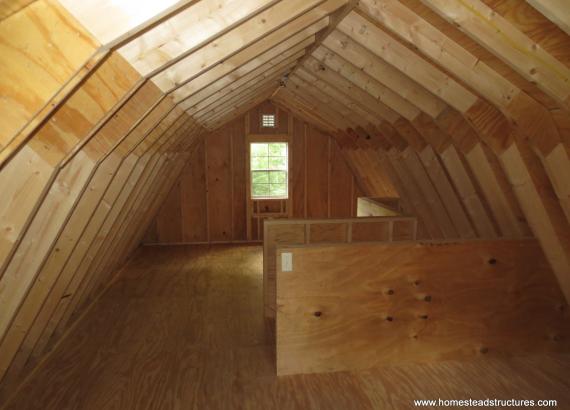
(284, 203)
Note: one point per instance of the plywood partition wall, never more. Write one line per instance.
(211, 202)
(282, 232)
(356, 306)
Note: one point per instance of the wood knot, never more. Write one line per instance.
(484, 350)
(492, 261)
(427, 298)
(390, 292)
(389, 318)
(424, 317)
(318, 314)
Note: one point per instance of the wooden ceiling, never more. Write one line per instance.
(102, 101)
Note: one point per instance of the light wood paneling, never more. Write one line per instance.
(284, 232)
(347, 307)
(25, 38)
(7, 8)
(213, 193)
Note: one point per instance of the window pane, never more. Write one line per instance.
(259, 150)
(260, 177)
(278, 163)
(278, 150)
(278, 177)
(278, 189)
(269, 168)
(260, 189)
(259, 163)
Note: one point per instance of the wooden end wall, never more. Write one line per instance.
(357, 306)
(210, 201)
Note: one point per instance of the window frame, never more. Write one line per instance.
(268, 140)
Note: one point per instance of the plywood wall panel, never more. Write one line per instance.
(286, 232)
(125, 120)
(23, 48)
(7, 8)
(411, 302)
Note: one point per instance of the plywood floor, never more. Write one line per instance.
(183, 330)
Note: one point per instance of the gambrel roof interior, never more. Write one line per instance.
(462, 105)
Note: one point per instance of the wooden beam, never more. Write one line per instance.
(372, 114)
(555, 10)
(240, 38)
(235, 98)
(383, 72)
(264, 50)
(332, 62)
(238, 110)
(188, 31)
(257, 77)
(510, 45)
(243, 74)
(349, 90)
(376, 40)
(291, 99)
(531, 118)
(291, 106)
(335, 19)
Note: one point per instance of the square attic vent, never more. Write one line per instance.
(268, 120)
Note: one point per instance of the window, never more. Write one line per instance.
(269, 169)
(268, 120)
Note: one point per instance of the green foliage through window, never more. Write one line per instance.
(269, 168)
